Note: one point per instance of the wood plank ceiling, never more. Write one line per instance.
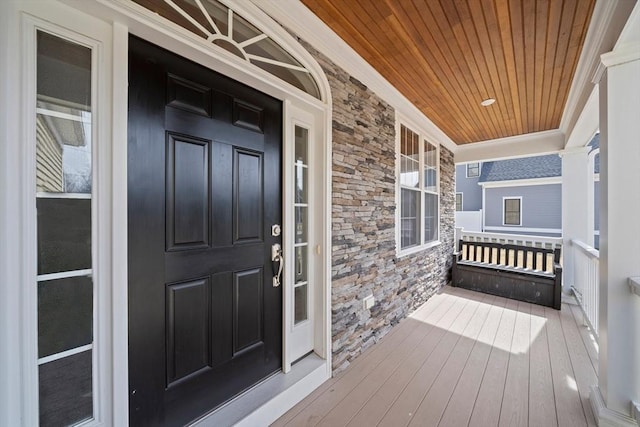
(446, 56)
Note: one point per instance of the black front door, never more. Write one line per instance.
(204, 177)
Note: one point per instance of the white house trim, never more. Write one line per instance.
(522, 182)
(538, 143)
(607, 417)
(587, 124)
(523, 229)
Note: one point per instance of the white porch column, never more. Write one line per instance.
(577, 204)
(619, 311)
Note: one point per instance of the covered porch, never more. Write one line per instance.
(465, 358)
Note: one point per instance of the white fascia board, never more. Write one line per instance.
(588, 123)
(522, 182)
(531, 144)
(295, 16)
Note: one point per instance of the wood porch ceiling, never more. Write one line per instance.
(447, 56)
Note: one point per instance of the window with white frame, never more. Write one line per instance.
(512, 211)
(458, 202)
(419, 196)
(473, 170)
(65, 229)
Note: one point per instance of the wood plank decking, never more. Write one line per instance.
(465, 359)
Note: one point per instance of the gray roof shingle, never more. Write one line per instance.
(530, 167)
(522, 168)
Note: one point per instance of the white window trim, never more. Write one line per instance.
(404, 121)
(467, 169)
(504, 199)
(461, 202)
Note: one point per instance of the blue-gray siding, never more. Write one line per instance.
(541, 206)
(472, 192)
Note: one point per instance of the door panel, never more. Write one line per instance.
(205, 322)
(188, 189)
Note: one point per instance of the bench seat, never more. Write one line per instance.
(510, 281)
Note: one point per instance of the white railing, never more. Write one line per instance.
(586, 270)
(513, 239)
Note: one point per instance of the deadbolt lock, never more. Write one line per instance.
(276, 230)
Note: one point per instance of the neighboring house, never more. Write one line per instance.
(516, 196)
(523, 196)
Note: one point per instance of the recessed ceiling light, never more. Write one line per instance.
(487, 102)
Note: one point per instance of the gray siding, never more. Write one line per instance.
(472, 192)
(541, 205)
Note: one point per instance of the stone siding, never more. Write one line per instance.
(364, 258)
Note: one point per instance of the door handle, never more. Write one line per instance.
(276, 257)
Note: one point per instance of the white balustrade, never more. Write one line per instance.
(513, 239)
(586, 279)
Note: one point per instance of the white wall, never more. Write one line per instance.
(469, 220)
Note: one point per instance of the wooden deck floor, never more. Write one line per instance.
(465, 359)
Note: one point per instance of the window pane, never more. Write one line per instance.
(430, 217)
(64, 235)
(66, 396)
(301, 225)
(65, 310)
(301, 304)
(431, 180)
(430, 155)
(63, 153)
(409, 218)
(512, 211)
(301, 184)
(302, 138)
(300, 268)
(63, 72)
(458, 201)
(473, 170)
(409, 159)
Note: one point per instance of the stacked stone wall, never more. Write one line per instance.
(364, 257)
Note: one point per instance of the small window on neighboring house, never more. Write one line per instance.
(512, 212)
(473, 170)
(419, 191)
(458, 201)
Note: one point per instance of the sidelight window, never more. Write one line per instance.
(301, 276)
(64, 176)
(419, 187)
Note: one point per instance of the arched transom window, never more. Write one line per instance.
(220, 25)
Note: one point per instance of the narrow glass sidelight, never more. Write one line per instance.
(301, 207)
(64, 178)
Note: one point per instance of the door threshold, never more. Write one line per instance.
(267, 401)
